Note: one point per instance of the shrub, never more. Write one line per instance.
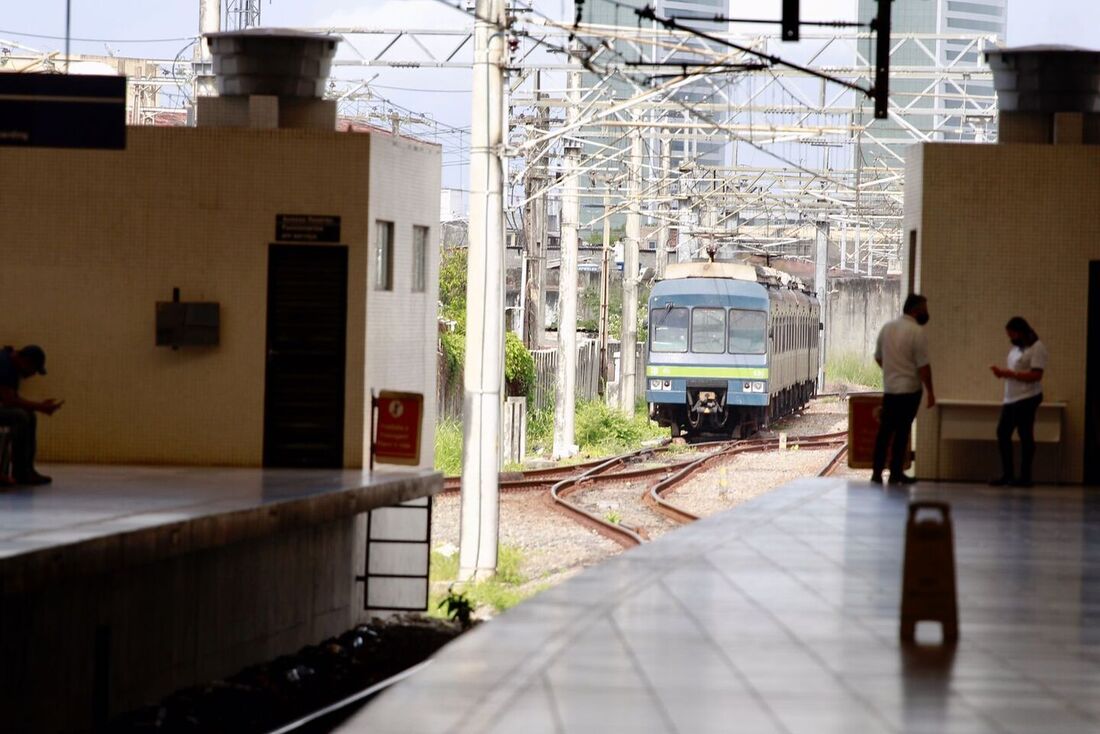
(452, 286)
(453, 344)
(519, 366)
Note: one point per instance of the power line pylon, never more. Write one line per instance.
(241, 14)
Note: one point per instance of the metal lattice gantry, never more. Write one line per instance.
(803, 150)
(797, 149)
(241, 14)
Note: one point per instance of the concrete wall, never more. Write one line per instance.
(1002, 230)
(858, 307)
(93, 239)
(147, 630)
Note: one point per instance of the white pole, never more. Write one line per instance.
(484, 374)
(855, 254)
(870, 251)
(210, 21)
(666, 227)
(843, 244)
(566, 378)
(821, 285)
(630, 274)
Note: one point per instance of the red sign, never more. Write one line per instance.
(863, 423)
(397, 434)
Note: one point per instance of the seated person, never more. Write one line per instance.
(18, 414)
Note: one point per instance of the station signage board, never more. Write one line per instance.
(62, 111)
(307, 228)
(864, 412)
(398, 428)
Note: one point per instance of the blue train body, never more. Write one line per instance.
(730, 348)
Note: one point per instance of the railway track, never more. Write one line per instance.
(663, 479)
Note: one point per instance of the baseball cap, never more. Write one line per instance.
(36, 356)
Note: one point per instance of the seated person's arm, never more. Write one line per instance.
(10, 399)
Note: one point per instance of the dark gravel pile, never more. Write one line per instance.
(264, 697)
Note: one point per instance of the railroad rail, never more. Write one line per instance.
(654, 496)
(667, 477)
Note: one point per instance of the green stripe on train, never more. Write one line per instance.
(750, 373)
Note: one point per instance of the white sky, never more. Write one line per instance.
(441, 93)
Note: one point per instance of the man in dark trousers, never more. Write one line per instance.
(902, 353)
(18, 414)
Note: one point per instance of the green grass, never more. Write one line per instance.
(501, 592)
(540, 430)
(448, 447)
(601, 429)
(853, 369)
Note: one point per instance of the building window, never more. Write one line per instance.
(383, 256)
(420, 259)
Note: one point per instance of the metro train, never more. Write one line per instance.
(731, 348)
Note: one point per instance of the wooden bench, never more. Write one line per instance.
(976, 420)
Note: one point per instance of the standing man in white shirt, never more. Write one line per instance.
(902, 353)
(1023, 393)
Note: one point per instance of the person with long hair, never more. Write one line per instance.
(1023, 394)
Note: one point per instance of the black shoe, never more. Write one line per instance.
(1022, 483)
(902, 479)
(1001, 482)
(33, 479)
(876, 479)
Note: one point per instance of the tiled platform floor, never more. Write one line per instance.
(94, 510)
(782, 616)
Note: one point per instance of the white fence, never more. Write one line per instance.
(546, 365)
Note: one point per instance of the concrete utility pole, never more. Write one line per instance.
(605, 290)
(630, 274)
(565, 384)
(484, 373)
(821, 285)
(535, 234)
(665, 235)
(843, 244)
(210, 18)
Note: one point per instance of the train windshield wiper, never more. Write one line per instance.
(667, 309)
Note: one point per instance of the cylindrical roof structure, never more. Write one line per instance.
(272, 61)
(1046, 79)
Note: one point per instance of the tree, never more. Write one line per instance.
(519, 365)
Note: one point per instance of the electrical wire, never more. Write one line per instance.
(99, 40)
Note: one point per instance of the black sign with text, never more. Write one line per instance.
(307, 228)
(62, 111)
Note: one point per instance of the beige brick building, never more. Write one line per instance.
(92, 240)
(996, 231)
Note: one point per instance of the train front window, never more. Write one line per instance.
(748, 332)
(668, 330)
(708, 330)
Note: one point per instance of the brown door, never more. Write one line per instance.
(306, 350)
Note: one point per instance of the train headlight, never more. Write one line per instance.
(668, 384)
(758, 387)
(747, 387)
(654, 384)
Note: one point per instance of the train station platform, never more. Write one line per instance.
(782, 616)
(120, 584)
